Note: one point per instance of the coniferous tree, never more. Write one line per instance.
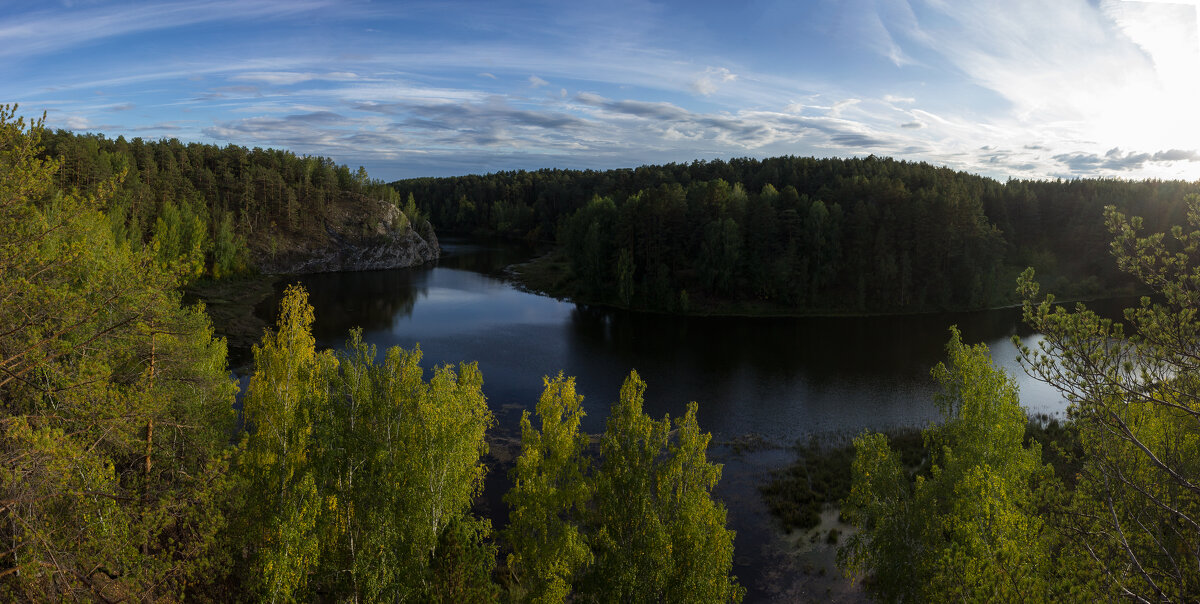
(115, 404)
(1132, 520)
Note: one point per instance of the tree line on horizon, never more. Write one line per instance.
(804, 234)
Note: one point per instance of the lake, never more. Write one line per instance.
(778, 379)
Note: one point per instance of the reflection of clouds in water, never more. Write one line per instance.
(444, 295)
(459, 303)
(1036, 396)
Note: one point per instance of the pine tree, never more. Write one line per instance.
(115, 404)
(1132, 521)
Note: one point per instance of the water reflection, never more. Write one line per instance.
(372, 300)
(782, 378)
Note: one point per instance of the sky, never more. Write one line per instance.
(1007, 89)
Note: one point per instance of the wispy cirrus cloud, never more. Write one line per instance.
(48, 31)
(286, 78)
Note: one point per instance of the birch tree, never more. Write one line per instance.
(290, 385)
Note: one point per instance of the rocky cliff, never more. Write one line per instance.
(357, 235)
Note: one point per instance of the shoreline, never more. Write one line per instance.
(547, 275)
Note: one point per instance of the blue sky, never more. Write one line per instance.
(1039, 89)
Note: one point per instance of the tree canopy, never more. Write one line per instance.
(115, 405)
(984, 519)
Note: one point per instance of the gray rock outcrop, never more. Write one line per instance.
(374, 235)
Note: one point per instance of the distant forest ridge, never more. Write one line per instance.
(804, 234)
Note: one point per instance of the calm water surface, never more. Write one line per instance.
(782, 379)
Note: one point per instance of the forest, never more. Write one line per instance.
(802, 235)
(210, 210)
(127, 472)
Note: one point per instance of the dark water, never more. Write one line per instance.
(782, 378)
(779, 378)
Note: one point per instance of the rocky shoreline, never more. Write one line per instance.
(358, 234)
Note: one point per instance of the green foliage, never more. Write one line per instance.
(1131, 520)
(969, 528)
(289, 387)
(115, 404)
(228, 249)
(806, 235)
(411, 212)
(659, 536)
(625, 271)
(362, 475)
(549, 496)
(181, 239)
(461, 572)
(632, 545)
(642, 527)
(203, 205)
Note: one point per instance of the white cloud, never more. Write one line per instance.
(1062, 84)
(76, 122)
(838, 107)
(287, 78)
(711, 80)
(877, 36)
(276, 78)
(1121, 73)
